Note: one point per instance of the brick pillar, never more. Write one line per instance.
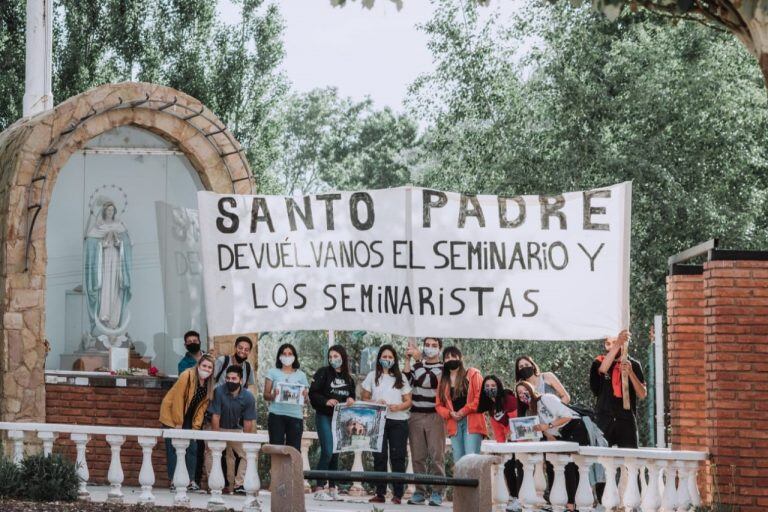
(685, 361)
(736, 365)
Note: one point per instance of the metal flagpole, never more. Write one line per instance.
(658, 351)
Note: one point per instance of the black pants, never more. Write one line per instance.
(393, 448)
(621, 432)
(513, 474)
(574, 431)
(285, 430)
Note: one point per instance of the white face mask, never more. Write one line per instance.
(287, 360)
(204, 374)
(431, 351)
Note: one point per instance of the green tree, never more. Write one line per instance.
(12, 16)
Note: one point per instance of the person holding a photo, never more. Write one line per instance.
(387, 385)
(501, 405)
(332, 385)
(285, 422)
(543, 382)
(458, 396)
(557, 422)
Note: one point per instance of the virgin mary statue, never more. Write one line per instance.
(108, 257)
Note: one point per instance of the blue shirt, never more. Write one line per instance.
(187, 362)
(295, 377)
(233, 410)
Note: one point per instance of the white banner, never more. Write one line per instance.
(419, 262)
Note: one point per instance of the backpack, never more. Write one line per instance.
(246, 371)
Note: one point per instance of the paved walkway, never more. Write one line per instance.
(163, 497)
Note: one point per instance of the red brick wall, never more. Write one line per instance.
(112, 406)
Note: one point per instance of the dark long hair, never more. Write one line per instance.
(395, 370)
(344, 361)
(493, 405)
(523, 408)
(536, 370)
(284, 346)
(461, 384)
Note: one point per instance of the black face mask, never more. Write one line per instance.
(233, 386)
(240, 359)
(491, 392)
(451, 365)
(193, 348)
(527, 372)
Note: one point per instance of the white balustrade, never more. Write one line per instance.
(584, 496)
(216, 476)
(558, 496)
(669, 496)
(501, 493)
(540, 477)
(81, 440)
(306, 443)
(47, 438)
(115, 472)
(252, 483)
(652, 499)
(146, 473)
(357, 488)
(17, 436)
(631, 496)
(683, 497)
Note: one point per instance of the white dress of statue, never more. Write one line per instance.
(108, 259)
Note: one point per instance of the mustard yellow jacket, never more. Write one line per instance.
(176, 401)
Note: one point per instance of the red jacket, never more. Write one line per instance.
(475, 420)
(500, 424)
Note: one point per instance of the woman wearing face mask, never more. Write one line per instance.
(285, 422)
(387, 385)
(184, 407)
(458, 396)
(543, 382)
(501, 405)
(331, 385)
(558, 423)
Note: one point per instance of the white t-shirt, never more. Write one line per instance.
(551, 408)
(386, 391)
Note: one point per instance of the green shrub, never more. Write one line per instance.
(52, 478)
(10, 479)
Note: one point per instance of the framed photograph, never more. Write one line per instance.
(521, 429)
(359, 426)
(289, 393)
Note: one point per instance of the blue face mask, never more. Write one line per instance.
(335, 363)
(386, 363)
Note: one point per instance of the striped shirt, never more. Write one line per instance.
(424, 378)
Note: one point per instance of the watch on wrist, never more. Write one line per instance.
(550, 425)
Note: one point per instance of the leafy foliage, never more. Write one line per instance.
(11, 484)
(49, 478)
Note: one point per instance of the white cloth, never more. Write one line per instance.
(386, 391)
(551, 408)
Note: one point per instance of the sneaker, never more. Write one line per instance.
(514, 505)
(323, 496)
(435, 500)
(192, 487)
(417, 499)
(377, 499)
(396, 500)
(239, 490)
(172, 488)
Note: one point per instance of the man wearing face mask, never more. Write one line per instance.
(192, 344)
(233, 409)
(243, 347)
(426, 429)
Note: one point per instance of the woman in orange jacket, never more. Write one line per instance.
(458, 395)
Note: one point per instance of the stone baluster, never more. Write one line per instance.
(500, 491)
(18, 445)
(410, 488)
(584, 498)
(180, 475)
(558, 496)
(115, 472)
(306, 443)
(540, 477)
(216, 476)
(47, 438)
(651, 498)
(528, 496)
(669, 496)
(357, 488)
(693, 484)
(611, 492)
(631, 497)
(683, 497)
(81, 440)
(147, 472)
(252, 483)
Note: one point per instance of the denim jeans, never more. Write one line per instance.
(328, 460)
(394, 448)
(190, 458)
(463, 442)
(285, 430)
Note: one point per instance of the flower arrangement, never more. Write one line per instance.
(132, 372)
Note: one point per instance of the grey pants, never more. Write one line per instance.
(426, 434)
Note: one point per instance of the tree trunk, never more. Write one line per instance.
(762, 60)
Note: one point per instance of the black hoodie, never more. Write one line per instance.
(328, 384)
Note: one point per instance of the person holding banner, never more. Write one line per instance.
(501, 405)
(558, 423)
(543, 382)
(285, 421)
(331, 385)
(426, 430)
(458, 396)
(387, 385)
